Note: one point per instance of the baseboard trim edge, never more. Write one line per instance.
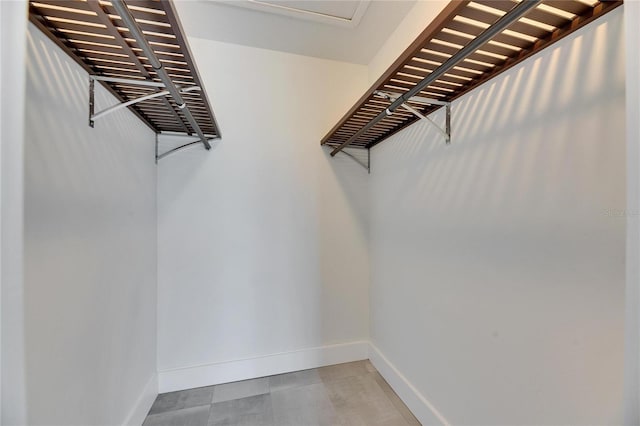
(142, 406)
(266, 365)
(419, 405)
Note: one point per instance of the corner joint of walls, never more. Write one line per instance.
(421, 407)
(143, 404)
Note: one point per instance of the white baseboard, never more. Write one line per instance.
(267, 365)
(419, 405)
(143, 404)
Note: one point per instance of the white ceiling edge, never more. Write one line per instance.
(220, 21)
(306, 15)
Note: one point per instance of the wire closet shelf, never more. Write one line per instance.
(467, 44)
(138, 51)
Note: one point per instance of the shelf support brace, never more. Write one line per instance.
(91, 100)
(95, 116)
(446, 132)
(366, 165)
(176, 149)
(130, 81)
(447, 122)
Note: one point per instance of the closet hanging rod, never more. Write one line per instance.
(501, 24)
(136, 32)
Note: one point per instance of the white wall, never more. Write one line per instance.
(498, 263)
(90, 251)
(262, 243)
(632, 296)
(13, 26)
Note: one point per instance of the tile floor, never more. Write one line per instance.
(343, 394)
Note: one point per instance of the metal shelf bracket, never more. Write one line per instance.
(446, 131)
(366, 165)
(180, 147)
(92, 84)
(93, 116)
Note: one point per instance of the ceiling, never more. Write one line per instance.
(343, 13)
(342, 30)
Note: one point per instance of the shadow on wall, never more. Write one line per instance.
(343, 207)
(514, 107)
(51, 76)
(89, 247)
(496, 257)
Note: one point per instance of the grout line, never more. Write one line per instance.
(402, 411)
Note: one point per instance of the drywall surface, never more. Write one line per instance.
(90, 249)
(13, 28)
(632, 296)
(498, 262)
(262, 245)
(414, 23)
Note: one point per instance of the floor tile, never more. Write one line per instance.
(369, 367)
(395, 400)
(195, 416)
(303, 406)
(243, 389)
(351, 394)
(340, 371)
(182, 399)
(252, 411)
(294, 380)
(358, 400)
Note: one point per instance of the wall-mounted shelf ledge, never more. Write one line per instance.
(138, 51)
(467, 44)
